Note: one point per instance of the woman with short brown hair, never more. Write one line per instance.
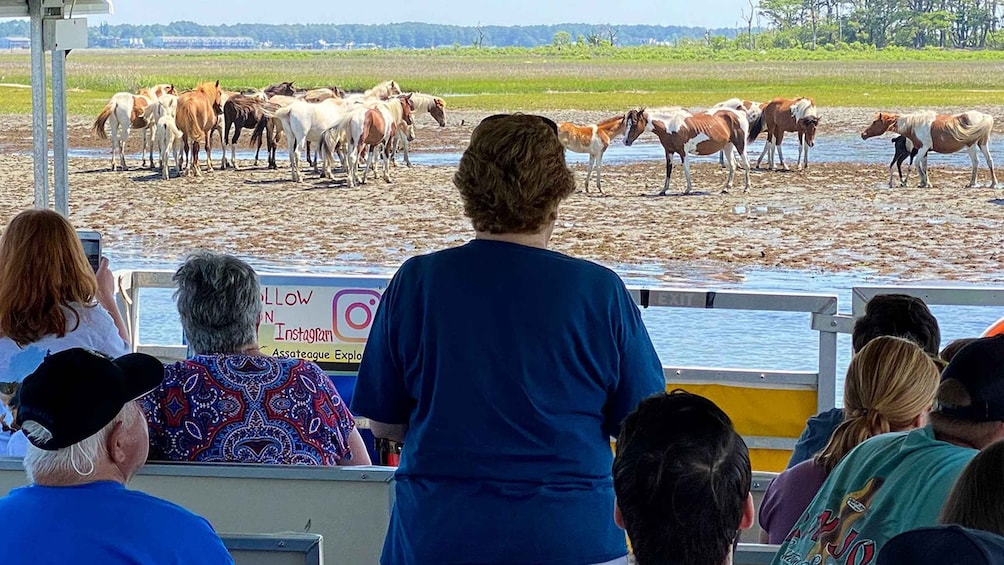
(505, 368)
(50, 300)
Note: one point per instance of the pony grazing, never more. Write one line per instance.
(434, 105)
(782, 115)
(125, 110)
(196, 118)
(941, 133)
(591, 139)
(681, 132)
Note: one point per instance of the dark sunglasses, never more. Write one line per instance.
(547, 121)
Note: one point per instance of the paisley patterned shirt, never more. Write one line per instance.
(247, 409)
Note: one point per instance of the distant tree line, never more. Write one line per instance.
(400, 35)
(959, 24)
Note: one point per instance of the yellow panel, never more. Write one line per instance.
(760, 411)
(772, 460)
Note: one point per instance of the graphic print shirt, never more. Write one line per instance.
(248, 409)
(887, 485)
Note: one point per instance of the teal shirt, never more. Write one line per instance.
(887, 485)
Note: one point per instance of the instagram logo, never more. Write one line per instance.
(352, 313)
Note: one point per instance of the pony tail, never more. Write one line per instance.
(877, 423)
(853, 430)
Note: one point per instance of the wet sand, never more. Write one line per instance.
(831, 218)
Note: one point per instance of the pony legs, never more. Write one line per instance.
(599, 163)
(803, 149)
(730, 160)
(976, 163)
(669, 173)
(922, 168)
(990, 164)
(686, 173)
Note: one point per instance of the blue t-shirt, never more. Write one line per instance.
(103, 523)
(512, 366)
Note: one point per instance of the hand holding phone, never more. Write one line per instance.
(91, 240)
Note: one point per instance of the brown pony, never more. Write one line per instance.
(782, 115)
(940, 133)
(196, 118)
(591, 139)
(705, 133)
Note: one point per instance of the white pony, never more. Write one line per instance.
(434, 105)
(123, 111)
(304, 121)
(369, 127)
(169, 141)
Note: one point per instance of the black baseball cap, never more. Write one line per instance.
(943, 545)
(76, 392)
(979, 367)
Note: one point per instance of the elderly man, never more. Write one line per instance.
(88, 438)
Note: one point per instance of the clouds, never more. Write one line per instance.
(707, 13)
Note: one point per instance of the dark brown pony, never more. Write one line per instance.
(196, 118)
(705, 133)
(242, 112)
(280, 89)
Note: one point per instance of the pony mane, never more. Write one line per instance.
(907, 123)
(803, 108)
(730, 103)
(674, 118)
(423, 102)
(611, 120)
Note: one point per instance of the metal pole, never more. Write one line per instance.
(59, 133)
(39, 134)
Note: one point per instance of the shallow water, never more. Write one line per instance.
(841, 148)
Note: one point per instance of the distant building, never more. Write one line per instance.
(15, 43)
(177, 42)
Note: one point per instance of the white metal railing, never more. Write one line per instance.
(822, 381)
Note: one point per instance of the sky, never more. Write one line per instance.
(703, 13)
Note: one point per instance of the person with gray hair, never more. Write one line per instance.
(230, 403)
(87, 439)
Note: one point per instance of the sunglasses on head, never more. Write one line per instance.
(550, 123)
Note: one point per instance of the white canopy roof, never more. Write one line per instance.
(19, 8)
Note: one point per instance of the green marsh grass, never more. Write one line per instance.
(546, 78)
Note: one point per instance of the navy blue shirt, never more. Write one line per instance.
(103, 523)
(512, 366)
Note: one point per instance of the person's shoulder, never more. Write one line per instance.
(158, 508)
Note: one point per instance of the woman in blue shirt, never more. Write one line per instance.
(505, 368)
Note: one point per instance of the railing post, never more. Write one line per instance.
(39, 124)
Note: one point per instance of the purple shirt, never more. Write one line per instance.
(787, 497)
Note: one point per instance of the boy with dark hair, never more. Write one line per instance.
(897, 315)
(682, 479)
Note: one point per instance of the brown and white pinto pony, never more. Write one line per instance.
(367, 129)
(591, 139)
(941, 133)
(434, 105)
(197, 116)
(752, 109)
(124, 111)
(782, 115)
(681, 132)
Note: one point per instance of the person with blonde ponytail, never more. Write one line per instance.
(890, 387)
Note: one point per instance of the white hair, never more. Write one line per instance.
(77, 460)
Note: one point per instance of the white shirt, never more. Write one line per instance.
(96, 331)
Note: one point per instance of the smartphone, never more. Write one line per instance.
(91, 240)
